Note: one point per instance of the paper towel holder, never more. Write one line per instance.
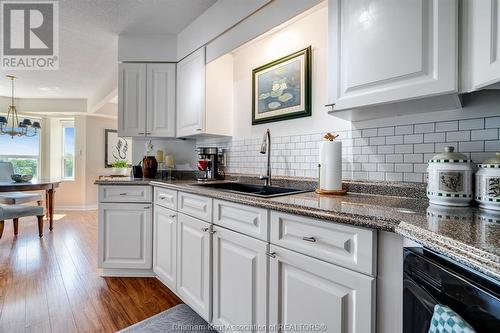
(327, 192)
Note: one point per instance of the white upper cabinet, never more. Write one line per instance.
(481, 44)
(146, 100)
(131, 99)
(160, 105)
(191, 94)
(391, 51)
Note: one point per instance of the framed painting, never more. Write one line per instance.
(281, 89)
(116, 148)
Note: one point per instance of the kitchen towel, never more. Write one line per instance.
(445, 320)
(330, 160)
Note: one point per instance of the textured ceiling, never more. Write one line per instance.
(88, 39)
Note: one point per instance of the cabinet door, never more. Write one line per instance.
(132, 99)
(239, 283)
(194, 264)
(191, 94)
(165, 245)
(125, 235)
(160, 106)
(484, 32)
(393, 50)
(304, 290)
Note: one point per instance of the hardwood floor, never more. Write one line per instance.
(51, 284)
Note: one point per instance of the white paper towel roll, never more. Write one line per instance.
(330, 160)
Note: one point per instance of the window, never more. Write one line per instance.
(23, 152)
(68, 150)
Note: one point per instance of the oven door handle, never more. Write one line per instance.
(423, 296)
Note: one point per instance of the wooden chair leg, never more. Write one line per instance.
(40, 225)
(47, 204)
(1, 228)
(16, 225)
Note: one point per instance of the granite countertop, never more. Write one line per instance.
(468, 235)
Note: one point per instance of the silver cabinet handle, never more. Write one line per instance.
(147, 207)
(141, 133)
(123, 193)
(309, 239)
(148, 133)
(162, 197)
(212, 232)
(205, 229)
(173, 215)
(271, 254)
(198, 129)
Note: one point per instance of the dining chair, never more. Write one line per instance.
(14, 212)
(14, 198)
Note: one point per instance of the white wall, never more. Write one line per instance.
(309, 29)
(183, 150)
(151, 47)
(94, 162)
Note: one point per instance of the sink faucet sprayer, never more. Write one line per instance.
(266, 146)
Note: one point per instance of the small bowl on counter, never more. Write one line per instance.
(21, 178)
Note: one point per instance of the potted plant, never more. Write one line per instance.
(120, 167)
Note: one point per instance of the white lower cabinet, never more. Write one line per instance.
(304, 291)
(194, 264)
(125, 235)
(165, 245)
(239, 281)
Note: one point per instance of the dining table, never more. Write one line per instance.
(47, 185)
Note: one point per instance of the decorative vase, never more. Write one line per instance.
(488, 183)
(450, 179)
(149, 167)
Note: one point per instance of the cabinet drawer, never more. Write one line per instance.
(195, 205)
(350, 247)
(121, 193)
(166, 198)
(246, 219)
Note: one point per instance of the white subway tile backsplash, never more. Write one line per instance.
(470, 124)
(424, 128)
(486, 134)
(403, 149)
(424, 148)
(458, 136)
(369, 132)
(406, 129)
(413, 158)
(492, 122)
(394, 140)
(434, 137)
(386, 131)
(378, 140)
(392, 153)
(471, 146)
(492, 145)
(447, 126)
(414, 138)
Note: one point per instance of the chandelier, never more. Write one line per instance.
(11, 125)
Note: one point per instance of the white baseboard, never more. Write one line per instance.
(76, 207)
(127, 272)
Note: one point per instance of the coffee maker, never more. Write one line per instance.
(209, 163)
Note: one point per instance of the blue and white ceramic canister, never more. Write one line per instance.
(488, 183)
(450, 179)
